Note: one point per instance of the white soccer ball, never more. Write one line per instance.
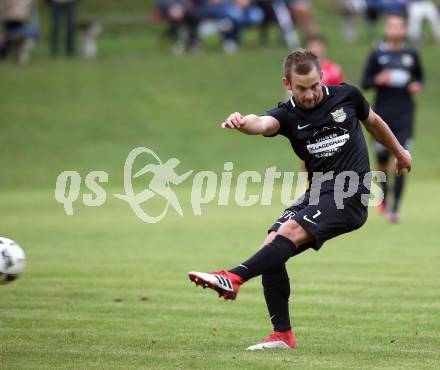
(12, 260)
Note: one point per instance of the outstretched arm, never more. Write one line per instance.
(377, 127)
(252, 124)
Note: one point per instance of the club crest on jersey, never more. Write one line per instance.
(339, 115)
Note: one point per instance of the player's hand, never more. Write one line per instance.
(383, 78)
(403, 162)
(235, 120)
(415, 87)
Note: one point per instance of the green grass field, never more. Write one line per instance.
(102, 290)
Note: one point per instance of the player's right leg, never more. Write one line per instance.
(284, 245)
(224, 282)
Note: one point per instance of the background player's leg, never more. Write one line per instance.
(398, 190)
(384, 185)
(383, 159)
(405, 139)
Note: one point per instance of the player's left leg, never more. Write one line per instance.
(276, 286)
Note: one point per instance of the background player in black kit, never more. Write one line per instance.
(394, 71)
(322, 124)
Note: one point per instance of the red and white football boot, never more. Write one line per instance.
(225, 283)
(278, 340)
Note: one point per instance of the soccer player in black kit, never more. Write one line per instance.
(395, 72)
(322, 124)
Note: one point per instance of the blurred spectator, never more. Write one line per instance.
(375, 8)
(277, 11)
(233, 17)
(372, 13)
(351, 10)
(418, 11)
(182, 25)
(331, 72)
(394, 6)
(63, 15)
(31, 32)
(14, 15)
(302, 14)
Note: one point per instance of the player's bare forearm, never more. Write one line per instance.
(377, 127)
(251, 124)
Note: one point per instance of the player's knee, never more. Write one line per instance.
(295, 232)
(270, 237)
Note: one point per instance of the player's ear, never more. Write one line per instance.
(320, 75)
(286, 83)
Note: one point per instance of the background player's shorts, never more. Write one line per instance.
(324, 221)
(404, 137)
(401, 125)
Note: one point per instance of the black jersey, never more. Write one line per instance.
(394, 102)
(327, 137)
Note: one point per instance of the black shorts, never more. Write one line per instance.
(404, 137)
(324, 220)
(402, 126)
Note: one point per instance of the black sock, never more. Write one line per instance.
(277, 292)
(267, 258)
(384, 186)
(398, 190)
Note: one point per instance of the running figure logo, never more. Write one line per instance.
(164, 174)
